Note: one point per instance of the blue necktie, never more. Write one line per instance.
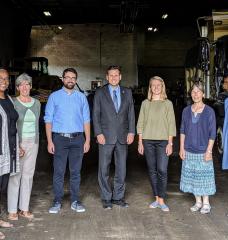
(115, 100)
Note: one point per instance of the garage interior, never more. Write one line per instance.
(146, 38)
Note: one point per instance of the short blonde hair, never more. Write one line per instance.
(163, 93)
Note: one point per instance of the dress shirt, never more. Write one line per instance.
(117, 89)
(67, 112)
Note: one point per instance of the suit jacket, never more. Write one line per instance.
(114, 126)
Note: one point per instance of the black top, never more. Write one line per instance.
(12, 117)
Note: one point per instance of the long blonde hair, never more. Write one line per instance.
(163, 93)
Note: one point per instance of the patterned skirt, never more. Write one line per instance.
(197, 175)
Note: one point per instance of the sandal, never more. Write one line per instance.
(26, 214)
(205, 209)
(196, 207)
(2, 236)
(4, 224)
(13, 216)
(154, 204)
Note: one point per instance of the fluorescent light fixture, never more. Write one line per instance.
(60, 28)
(47, 13)
(149, 29)
(164, 16)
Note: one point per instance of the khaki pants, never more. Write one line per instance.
(20, 185)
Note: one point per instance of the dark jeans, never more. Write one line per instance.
(71, 149)
(157, 162)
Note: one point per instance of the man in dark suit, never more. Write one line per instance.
(114, 127)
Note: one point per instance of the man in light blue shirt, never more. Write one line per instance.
(67, 118)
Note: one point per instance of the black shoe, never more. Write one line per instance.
(107, 204)
(120, 203)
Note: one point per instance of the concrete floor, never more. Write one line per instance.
(136, 222)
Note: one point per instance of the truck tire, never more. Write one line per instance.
(219, 140)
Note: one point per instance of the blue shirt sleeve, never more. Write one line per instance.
(212, 125)
(86, 112)
(182, 127)
(49, 110)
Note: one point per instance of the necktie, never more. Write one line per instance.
(115, 100)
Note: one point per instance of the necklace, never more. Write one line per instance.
(197, 109)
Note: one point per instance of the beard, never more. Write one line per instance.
(69, 85)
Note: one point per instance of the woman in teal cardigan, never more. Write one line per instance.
(20, 185)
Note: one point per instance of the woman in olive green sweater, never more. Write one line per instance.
(156, 128)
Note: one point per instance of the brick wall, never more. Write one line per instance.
(90, 48)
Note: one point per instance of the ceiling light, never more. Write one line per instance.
(47, 13)
(149, 29)
(164, 16)
(60, 28)
(155, 29)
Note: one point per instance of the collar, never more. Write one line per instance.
(68, 93)
(111, 88)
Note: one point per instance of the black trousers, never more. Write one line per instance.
(105, 157)
(157, 162)
(4, 179)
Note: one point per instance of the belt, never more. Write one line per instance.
(69, 135)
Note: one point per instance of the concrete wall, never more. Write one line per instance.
(90, 48)
(165, 52)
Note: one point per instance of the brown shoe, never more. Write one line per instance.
(26, 214)
(13, 216)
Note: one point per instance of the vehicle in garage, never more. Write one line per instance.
(208, 62)
(37, 68)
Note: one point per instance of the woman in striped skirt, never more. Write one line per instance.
(197, 135)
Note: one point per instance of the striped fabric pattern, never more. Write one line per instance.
(197, 175)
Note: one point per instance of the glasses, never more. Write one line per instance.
(70, 78)
(4, 79)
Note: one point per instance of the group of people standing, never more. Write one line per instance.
(19, 140)
(67, 120)
(67, 117)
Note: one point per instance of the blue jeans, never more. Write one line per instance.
(67, 149)
(157, 162)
